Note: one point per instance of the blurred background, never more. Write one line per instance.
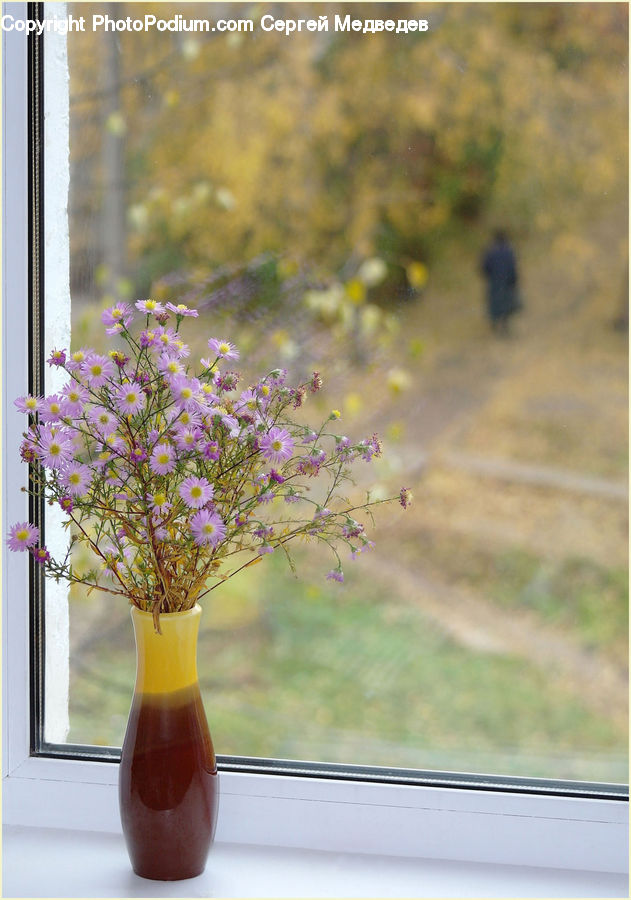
(324, 200)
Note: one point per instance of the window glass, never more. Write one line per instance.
(327, 200)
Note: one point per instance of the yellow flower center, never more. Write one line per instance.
(150, 335)
(54, 449)
(73, 396)
(173, 367)
(208, 528)
(78, 356)
(74, 478)
(22, 535)
(163, 458)
(181, 306)
(224, 348)
(159, 499)
(265, 390)
(196, 492)
(277, 445)
(54, 408)
(31, 403)
(131, 397)
(187, 393)
(96, 369)
(104, 418)
(164, 338)
(117, 313)
(150, 304)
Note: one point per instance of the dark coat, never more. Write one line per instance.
(500, 268)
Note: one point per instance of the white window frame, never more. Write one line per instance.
(580, 833)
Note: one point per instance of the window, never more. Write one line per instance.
(373, 657)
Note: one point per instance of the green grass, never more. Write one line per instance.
(315, 671)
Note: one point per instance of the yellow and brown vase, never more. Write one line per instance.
(168, 782)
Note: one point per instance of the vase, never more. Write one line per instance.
(168, 782)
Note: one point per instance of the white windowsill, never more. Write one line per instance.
(40, 862)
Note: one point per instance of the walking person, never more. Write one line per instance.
(500, 269)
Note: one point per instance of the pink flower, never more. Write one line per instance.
(97, 369)
(55, 447)
(162, 459)
(76, 478)
(223, 349)
(182, 310)
(22, 536)
(131, 399)
(196, 492)
(103, 420)
(207, 528)
(277, 445)
(28, 404)
(119, 315)
(74, 398)
(335, 575)
(57, 358)
(51, 409)
(151, 307)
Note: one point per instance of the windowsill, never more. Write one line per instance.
(41, 862)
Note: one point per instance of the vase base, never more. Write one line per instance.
(154, 877)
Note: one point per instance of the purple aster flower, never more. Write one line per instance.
(335, 575)
(55, 447)
(147, 339)
(405, 497)
(103, 420)
(40, 555)
(265, 497)
(76, 478)
(160, 503)
(211, 450)
(52, 409)
(28, 451)
(77, 358)
(182, 310)
(223, 349)
(131, 399)
(277, 445)
(185, 392)
(292, 498)
(169, 365)
(66, 504)
(138, 454)
(367, 545)
(310, 437)
(28, 404)
(119, 315)
(162, 459)
(207, 528)
(22, 536)
(97, 369)
(57, 358)
(151, 307)
(186, 438)
(310, 465)
(166, 338)
(264, 548)
(119, 358)
(352, 529)
(196, 492)
(275, 476)
(74, 397)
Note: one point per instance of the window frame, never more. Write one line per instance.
(327, 807)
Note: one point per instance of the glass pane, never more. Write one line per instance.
(325, 199)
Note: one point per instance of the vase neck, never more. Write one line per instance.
(166, 662)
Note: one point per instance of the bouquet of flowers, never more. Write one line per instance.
(176, 481)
